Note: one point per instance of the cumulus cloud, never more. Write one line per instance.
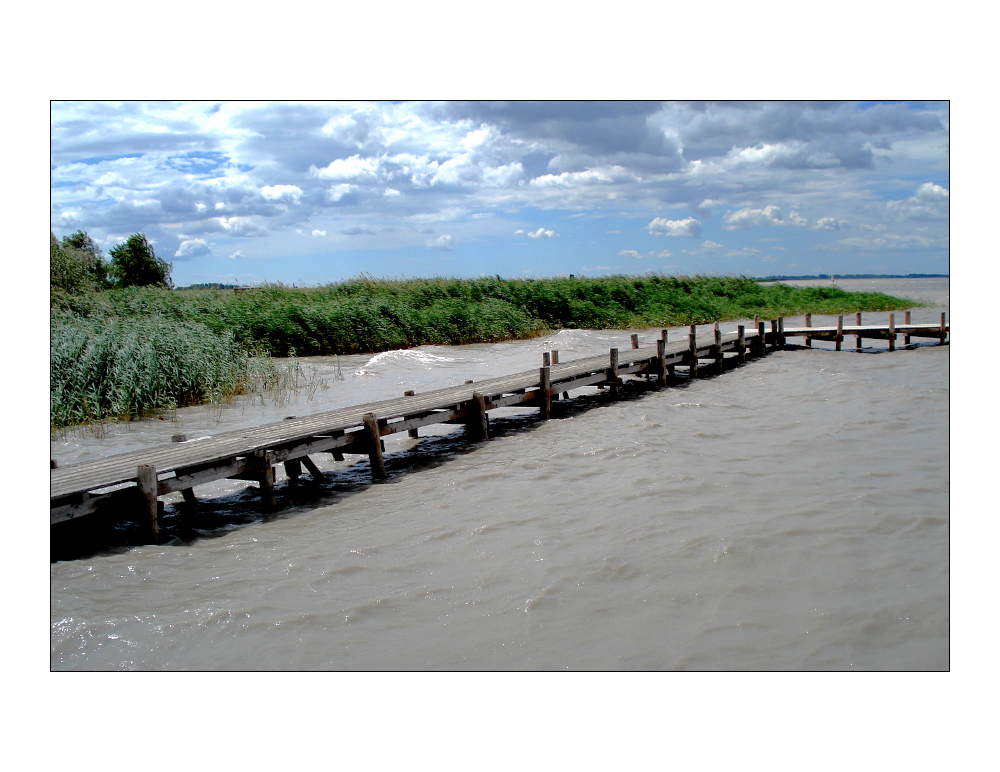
(541, 233)
(236, 255)
(444, 242)
(661, 226)
(391, 193)
(319, 233)
(746, 218)
(629, 253)
(289, 193)
(930, 202)
(192, 248)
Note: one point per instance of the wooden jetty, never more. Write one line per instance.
(134, 481)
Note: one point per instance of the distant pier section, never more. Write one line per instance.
(133, 482)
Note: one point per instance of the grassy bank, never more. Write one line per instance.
(126, 353)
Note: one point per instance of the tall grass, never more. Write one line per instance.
(125, 353)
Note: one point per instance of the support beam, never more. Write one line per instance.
(477, 423)
(150, 512)
(307, 462)
(544, 392)
(693, 350)
(613, 373)
(375, 447)
(265, 476)
(412, 433)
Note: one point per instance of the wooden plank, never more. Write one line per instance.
(375, 447)
(149, 514)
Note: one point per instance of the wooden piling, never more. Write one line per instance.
(761, 339)
(781, 331)
(293, 468)
(265, 476)
(718, 347)
(857, 338)
(478, 423)
(741, 343)
(663, 335)
(942, 334)
(555, 357)
(892, 332)
(546, 359)
(661, 363)
(375, 447)
(774, 334)
(146, 480)
(906, 335)
(693, 351)
(412, 433)
(613, 373)
(188, 493)
(840, 331)
(809, 323)
(756, 320)
(544, 392)
(635, 341)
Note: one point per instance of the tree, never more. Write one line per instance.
(85, 251)
(135, 264)
(73, 270)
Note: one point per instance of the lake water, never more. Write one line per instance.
(790, 514)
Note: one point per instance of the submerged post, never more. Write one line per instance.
(613, 373)
(892, 332)
(718, 347)
(693, 350)
(741, 343)
(375, 447)
(265, 476)
(840, 331)
(761, 339)
(661, 363)
(478, 423)
(774, 334)
(412, 433)
(146, 480)
(809, 323)
(544, 392)
(857, 338)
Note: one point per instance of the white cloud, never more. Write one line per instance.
(192, 248)
(929, 203)
(341, 192)
(444, 242)
(236, 255)
(318, 233)
(353, 168)
(290, 193)
(661, 226)
(629, 253)
(542, 233)
(886, 242)
(391, 193)
(768, 216)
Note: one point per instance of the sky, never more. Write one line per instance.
(312, 192)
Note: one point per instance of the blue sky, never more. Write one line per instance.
(309, 192)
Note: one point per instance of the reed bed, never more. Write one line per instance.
(122, 354)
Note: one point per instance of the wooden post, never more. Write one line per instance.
(613, 373)
(635, 341)
(840, 331)
(546, 359)
(781, 331)
(412, 433)
(906, 335)
(478, 422)
(555, 357)
(544, 392)
(375, 447)
(756, 320)
(809, 323)
(661, 363)
(761, 339)
(693, 350)
(892, 332)
(265, 475)
(293, 468)
(774, 334)
(857, 338)
(741, 343)
(718, 347)
(188, 493)
(942, 333)
(663, 335)
(146, 480)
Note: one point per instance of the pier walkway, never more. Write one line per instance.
(133, 481)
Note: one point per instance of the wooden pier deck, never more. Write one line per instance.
(134, 480)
